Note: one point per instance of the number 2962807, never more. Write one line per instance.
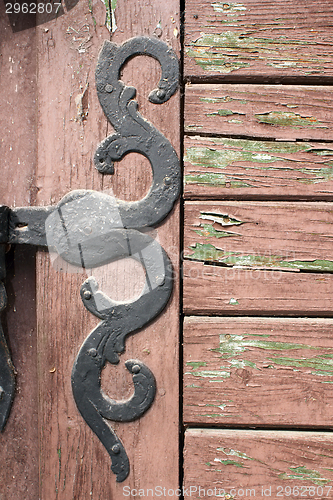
(32, 8)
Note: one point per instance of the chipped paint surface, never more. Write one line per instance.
(305, 474)
(222, 219)
(229, 37)
(289, 119)
(216, 52)
(110, 16)
(294, 472)
(206, 252)
(300, 162)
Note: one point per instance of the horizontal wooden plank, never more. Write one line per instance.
(236, 369)
(219, 290)
(217, 168)
(260, 235)
(286, 112)
(260, 464)
(287, 38)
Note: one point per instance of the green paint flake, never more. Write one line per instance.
(210, 232)
(206, 252)
(222, 219)
(322, 365)
(224, 112)
(110, 19)
(221, 99)
(196, 364)
(235, 345)
(229, 51)
(235, 453)
(209, 373)
(305, 475)
(218, 180)
(289, 119)
(229, 462)
(236, 122)
(233, 302)
(229, 8)
(256, 155)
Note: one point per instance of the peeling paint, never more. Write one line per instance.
(234, 345)
(229, 8)
(196, 364)
(110, 18)
(229, 462)
(224, 112)
(210, 232)
(211, 179)
(217, 100)
(230, 51)
(222, 219)
(206, 252)
(209, 373)
(254, 157)
(235, 453)
(289, 119)
(304, 474)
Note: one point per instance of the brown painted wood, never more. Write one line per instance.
(257, 235)
(218, 290)
(258, 371)
(220, 168)
(284, 112)
(70, 454)
(241, 39)
(271, 463)
(19, 441)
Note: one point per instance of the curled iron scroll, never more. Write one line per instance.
(118, 237)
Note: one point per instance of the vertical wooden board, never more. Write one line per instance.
(239, 39)
(284, 112)
(217, 168)
(260, 464)
(236, 369)
(71, 455)
(19, 440)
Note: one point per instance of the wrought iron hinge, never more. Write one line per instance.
(117, 229)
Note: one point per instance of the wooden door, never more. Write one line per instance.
(257, 249)
(52, 123)
(256, 238)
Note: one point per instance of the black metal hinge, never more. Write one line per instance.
(117, 229)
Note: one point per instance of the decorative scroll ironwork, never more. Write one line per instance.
(133, 134)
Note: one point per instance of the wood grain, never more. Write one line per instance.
(70, 453)
(19, 441)
(253, 38)
(283, 112)
(258, 371)
(270, 463)
(221, 168)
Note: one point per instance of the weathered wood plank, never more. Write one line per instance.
(70, 453)
(19, 441)
(219, 290)
(220, 168)
(260, 235)
(243, 464)
(237, 369)
(258, 258)
(286, 112)
(293, 38)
